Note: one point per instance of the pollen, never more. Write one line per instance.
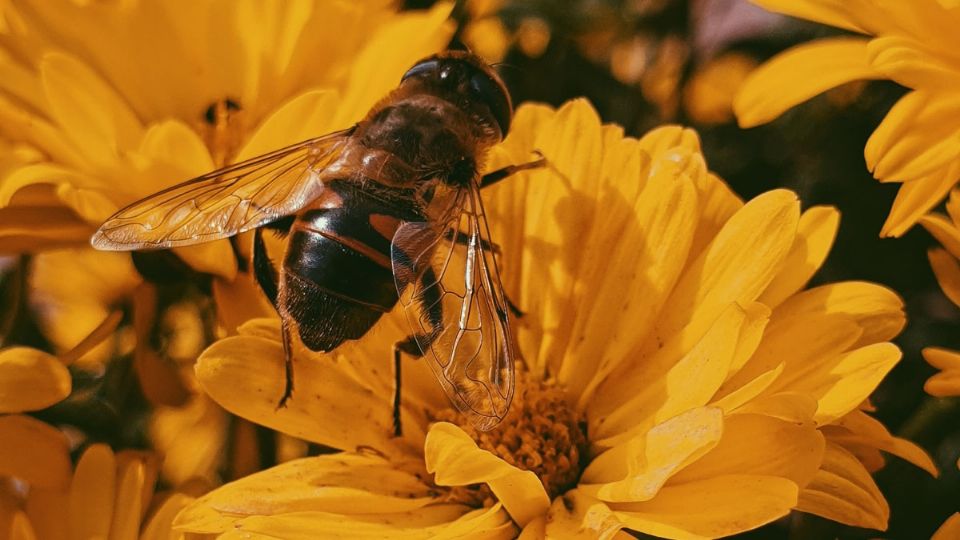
(541, 433)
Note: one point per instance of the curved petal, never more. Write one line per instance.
(456, 460)
(760, 445)
(947, 382)
(31, 380)
(912, 64)
(917, 197)
(338, 400)
(944, 230)
(91, 114)
(441, 522)
(917, 138)
(949, 529)
(34, 452)
(857, 429)
(876, 309)
(93, 493)
(736, 267)
(637, 469)
(345, 484)
(844, 491)
(830, 12)
(799, 74)
(947, 270)
(815, 234)
(724, 506)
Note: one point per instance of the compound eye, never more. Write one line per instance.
(494, 95)
(421, 68)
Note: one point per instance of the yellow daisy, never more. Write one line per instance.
(676, 380)
(123, 99)
(912, 43)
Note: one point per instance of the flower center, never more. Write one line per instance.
(541, 433)
(222, 129)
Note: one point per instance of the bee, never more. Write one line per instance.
(388, 210)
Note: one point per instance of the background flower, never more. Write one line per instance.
(693, 368)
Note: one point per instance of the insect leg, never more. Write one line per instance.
(287, 364)
(493, 177)
(263, 269)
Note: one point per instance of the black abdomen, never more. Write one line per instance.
(337, 279)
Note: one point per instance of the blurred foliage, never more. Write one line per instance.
(645, 63)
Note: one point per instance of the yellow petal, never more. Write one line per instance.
(245, 375)
(668, 390)
(918, 197)
(737, 266)
(793, 407)
(844, 491)
(333, 483)
(915, 139)
(34, 451)
(441, 522)
(31, 380)
(216, 258)
(635, 283)
(128, 505)
(724, 506)
(45, 510)
(34, 229)
(378, 67)
(876, 309)
(949, 529)
(637, 469)
(730, 398)
(718, 203)
(93, 494)
(456, 460)
(160, 524)
(191, 438)
(944, 231)
(947, 382)
(89, 111)
(841, 384)
(760, 445)
(947, 269)
(909, 62)
(579, 517)
(858, 429)
(815, 234)
(798, 74)
(41, 173)
(305, 116)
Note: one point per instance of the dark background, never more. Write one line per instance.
(815, 149)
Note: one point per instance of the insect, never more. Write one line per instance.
(388, 210)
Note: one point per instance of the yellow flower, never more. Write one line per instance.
(675, 379)
(124, 99)
(107, 495)
(912, 43)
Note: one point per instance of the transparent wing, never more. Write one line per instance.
(449, 284)
(225, 202)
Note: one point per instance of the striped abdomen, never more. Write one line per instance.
(337, 279)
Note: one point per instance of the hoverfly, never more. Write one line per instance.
(376, 213)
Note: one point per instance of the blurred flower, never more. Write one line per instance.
(107, 495)
(911, 43)
(695, 391)
(946, 267)
(486, 33)
(708, 96)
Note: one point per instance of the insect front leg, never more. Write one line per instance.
(493, 177)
